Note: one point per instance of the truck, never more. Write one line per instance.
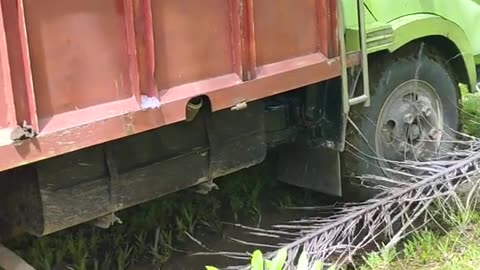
(108, 104)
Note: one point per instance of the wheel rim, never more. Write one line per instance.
(410, 125)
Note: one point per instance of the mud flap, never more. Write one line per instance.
(316, 169)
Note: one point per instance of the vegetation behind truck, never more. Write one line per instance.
(108, 104)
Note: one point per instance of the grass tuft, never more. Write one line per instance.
(470, 115)
(457, 249)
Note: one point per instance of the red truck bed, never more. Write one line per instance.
(81, 73)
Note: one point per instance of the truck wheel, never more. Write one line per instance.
(414, 111)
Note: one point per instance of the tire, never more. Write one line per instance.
(390, 77)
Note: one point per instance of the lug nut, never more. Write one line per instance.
(427, 111)
(433, 133)
(419, 153)
(408, 118)
(402, 146)
(414, 132)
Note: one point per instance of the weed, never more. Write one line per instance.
(140, 245)
(380, 260)
(258, 262)
(78, 251)
(123, 257)
(107, 261)
(42, 254)
(160, 250)
(426, 249)
(470, 112)
(242, 192)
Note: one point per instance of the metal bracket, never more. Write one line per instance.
(240, 106)
(22, 132)
(347, 102)
(107, 221)
(365, 97)
(364, 57)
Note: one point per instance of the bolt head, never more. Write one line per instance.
(427, 111)
(433, 133)
(408, 118)
(414, 131)
(402, 146)
(423, 156)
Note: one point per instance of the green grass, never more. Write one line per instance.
(470, 112)
(457, 249)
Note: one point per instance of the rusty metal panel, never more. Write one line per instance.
(145, 51)
(80, 69)
(7, 107)
(192, 41)
(19, 61)
(284, 29)
(243, 38)
(78, 53)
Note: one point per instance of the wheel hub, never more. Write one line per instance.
(410, 123)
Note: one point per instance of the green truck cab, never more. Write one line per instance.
(450, 25)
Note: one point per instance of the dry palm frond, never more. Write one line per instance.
(427, 189)
(391, 216)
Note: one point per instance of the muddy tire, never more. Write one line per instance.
(414, 106)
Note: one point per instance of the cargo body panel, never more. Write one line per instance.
(81, 73)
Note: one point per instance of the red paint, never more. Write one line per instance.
(145, 47)
(243, 38)
(333, 29)
(78, 68)
(151, 88)
(328, 42)
(131, 47)
(192, 41)
(224, 92)
(322, 26)
(18, 54)
(120, 7)
(7, 107)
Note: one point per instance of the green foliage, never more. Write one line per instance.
(457, 249)
(279, 260)
(379, 260)
(470, 112)
(258, 262)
